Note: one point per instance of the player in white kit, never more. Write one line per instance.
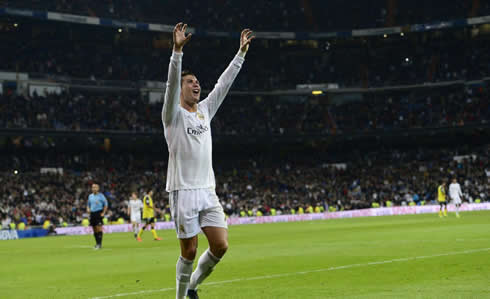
(190, 177)
(134, 211)
(456, 195)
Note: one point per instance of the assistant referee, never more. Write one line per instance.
(97, 207)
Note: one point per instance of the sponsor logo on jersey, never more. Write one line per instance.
(197, 130)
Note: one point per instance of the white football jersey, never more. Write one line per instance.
(455, 191)
(135, 206)
(188, 134)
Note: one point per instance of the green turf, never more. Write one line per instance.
(265, 261)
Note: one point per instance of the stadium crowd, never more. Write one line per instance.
(104, 54)
(223, 15)
(256, 184)
(245, 114)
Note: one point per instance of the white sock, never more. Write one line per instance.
(457, 209)
(205, 266)
(184, 270)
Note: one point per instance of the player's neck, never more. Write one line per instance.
(188, 107)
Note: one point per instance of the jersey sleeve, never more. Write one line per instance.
(220, 90)
(172, 91)
(105, 201)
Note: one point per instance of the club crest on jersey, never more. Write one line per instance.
(200, 116)
(197, 130)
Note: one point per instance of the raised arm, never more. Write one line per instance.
(220, 90)
(106, 205)
(172, 92)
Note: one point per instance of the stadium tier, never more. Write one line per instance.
(244, 182)
(248, 114)
(100, 53)
(224, 15)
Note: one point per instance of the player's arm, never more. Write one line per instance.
(220, 90)
(172, 92)
(105, 207)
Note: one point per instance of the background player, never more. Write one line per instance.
(134, 211)
(456, 194)
(190, 177)
(97, 207)
(441, 197)
(148, 216)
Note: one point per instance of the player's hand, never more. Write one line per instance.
(180, 39)
(245, 39)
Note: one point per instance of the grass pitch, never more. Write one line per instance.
(415, 256)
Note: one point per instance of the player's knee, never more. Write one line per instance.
(189, 253)
(219, 249)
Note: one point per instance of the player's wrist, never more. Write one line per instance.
(241, 53)
(177, 49)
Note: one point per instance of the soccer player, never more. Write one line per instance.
(456, 194)
(441, 197)
(97, 207)
(148, 216)
(190, 177)
(134, 211)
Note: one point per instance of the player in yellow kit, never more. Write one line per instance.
(441, 197)
(148, 216)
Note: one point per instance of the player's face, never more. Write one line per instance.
(191, 90)
(133, 195)
(95, 188)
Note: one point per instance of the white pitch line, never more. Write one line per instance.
(405, 259)
(79, 246)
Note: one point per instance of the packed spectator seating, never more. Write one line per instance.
(225, 15)
(446, 106)
(100, 53)
(256, 183)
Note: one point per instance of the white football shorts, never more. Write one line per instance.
(456, 200)
(136, 218)
(195, 208)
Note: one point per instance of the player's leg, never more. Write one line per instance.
(135, 228)
(216, 230)
(186, 218)
(440, 209)
(445, 209)
(96, 222)
(96, 236)
(93, 225)
(458, 204)
(218, 245)
(101, 234)
(153, 231)
(142, 229)
(188, 249)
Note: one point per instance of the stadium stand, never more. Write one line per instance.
(420, 86)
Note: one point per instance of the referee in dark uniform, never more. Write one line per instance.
(97, 207)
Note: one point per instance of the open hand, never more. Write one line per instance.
(245, 39)
(180, 38)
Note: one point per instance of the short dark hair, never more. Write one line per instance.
(185, 73)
